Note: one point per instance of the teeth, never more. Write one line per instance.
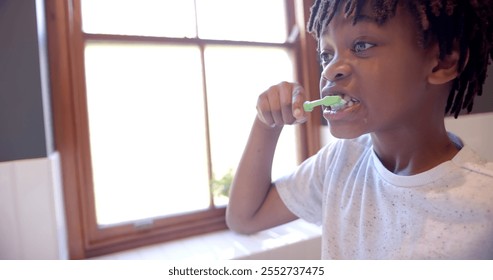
(349, 102)
(338, 106)
(347, 98)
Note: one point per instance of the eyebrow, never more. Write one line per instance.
(364, 18)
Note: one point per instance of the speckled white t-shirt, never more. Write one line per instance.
(368, 212)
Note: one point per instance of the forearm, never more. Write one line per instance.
(252, 181)
(254, 203)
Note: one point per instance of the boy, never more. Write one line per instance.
(396, 185)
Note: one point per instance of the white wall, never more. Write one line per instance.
(32, 225)
(32, 222)
(475, 130)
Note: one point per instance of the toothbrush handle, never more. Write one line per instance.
(309, 105)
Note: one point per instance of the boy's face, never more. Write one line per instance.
(380, 68)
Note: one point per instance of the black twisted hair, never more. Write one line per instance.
(466, 24)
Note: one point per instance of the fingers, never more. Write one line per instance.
(297, 104)
(282, 104)
(263, 110)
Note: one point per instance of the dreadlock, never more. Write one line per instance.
(452, 23)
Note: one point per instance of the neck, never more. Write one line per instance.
(415, 149)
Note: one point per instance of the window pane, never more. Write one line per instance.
(235, 78)
(253, 20)
(147, 130)
(169, 18)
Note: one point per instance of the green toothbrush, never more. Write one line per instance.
(333, 101)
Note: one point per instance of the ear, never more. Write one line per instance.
(446, 69)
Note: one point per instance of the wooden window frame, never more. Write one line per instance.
(70, 121)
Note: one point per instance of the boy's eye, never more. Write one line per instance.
(326, 58)
(362, 46)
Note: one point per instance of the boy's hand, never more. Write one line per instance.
(282, 104)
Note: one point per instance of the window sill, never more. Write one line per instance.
(295, 240)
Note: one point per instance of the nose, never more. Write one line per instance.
(336, 70)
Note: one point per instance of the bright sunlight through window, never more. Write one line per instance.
(164, 141)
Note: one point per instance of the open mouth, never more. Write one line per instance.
(348, 103)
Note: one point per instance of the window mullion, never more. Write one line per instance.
(206, 107)
(196, 19)
(206, 122)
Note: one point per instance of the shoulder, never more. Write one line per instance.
(333, 156)
(474, 175)
(468, 160)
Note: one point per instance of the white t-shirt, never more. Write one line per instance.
(368, 212)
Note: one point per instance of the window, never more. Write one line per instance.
(161, 96)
